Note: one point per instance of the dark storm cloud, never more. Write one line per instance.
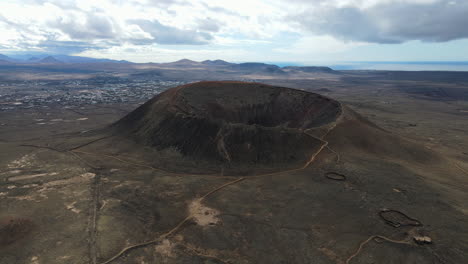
(395, 22)
(163, 34)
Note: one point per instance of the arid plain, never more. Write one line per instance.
(385, 181)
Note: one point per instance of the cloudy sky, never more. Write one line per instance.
(242, 30)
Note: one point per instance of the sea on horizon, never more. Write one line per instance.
(387, 65)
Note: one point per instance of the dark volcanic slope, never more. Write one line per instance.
(233, 122)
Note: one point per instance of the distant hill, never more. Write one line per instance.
(33, 59)
(50, 60)
(309, 69)
(182, 63)
(3, 62)
(248, 67)
(6, 58)
(256, 67)
(216, 63)
(186, 61)
(79, 59)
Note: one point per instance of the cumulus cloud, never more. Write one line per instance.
(219, 10)
(209, 24)
(163, 34)
(166, 3)
(73, 26)
(389, 21)
(86, 26)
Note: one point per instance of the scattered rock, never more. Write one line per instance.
(22, 162)
(335, 176)
(398, 190)
(421, 240)
(397, 219)
(72, 207)
(35, 260)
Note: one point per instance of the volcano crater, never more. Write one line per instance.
(234, 124)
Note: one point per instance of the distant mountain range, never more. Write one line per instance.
(4, 58)
(52, 59)
(184, 63)
(185, 68)
(251, 67)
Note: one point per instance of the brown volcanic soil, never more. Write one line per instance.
(141, 192)
(13, 229)
(234, 124)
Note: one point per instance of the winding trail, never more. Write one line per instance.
(200, 254)
(90, 142)
(173, 230)
(93, 218)
(95, 190)
(142, 165)
(189, 217)
(361, 246)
